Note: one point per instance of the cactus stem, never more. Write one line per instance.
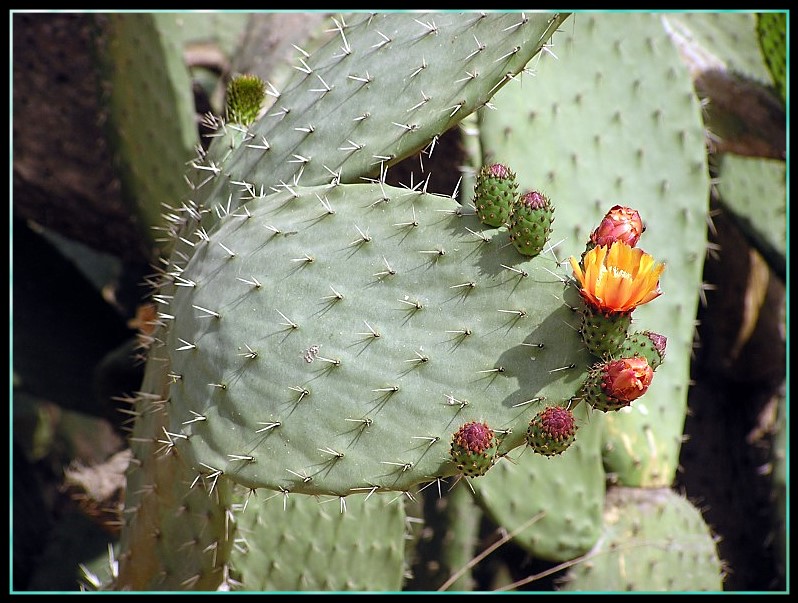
(419, 69)
(516, 270)
(263, 146)
(530, 401)
(432, 439)
(371, 332)
(302, 392)
(404, 466)
(391, 389)
(254, 282)
(482, 236)
(415, 303)
(385, 40)
(304, 68)
(419, 358)
(424, 99)
(289, 323)
(334, 453)
(197, 418)
(186, 345)
(366, 422)
(518, 313)
(305, 478)
(210, 313)
(268, 426)
(452, 401)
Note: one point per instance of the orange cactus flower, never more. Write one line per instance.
(618, 278)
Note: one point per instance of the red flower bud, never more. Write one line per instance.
(626, 379)
(620, 224)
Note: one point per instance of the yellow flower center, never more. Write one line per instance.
(618, 278)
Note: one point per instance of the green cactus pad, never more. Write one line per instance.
(306, 543)
(150, 110)
(530, 223)
(566, 490)
(652, 540)
(384, 87)
(344, 333)
(754, 190)
(494, 194)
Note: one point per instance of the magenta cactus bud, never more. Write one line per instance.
(619, 224)
(534, 200)
(474, 448)
(552, 431)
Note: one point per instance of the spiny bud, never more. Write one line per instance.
(245, 96)
(474, 448)
(530, 223)
(613, 385)
(494, 193)
(552, 431)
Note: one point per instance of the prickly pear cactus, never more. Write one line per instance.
(385, 87)
(344, 334)
(652, 540)
(592, 115)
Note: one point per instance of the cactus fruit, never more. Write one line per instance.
(494, 194)
(474, 448)
(531, 217)
(551, 431)
(615, 384)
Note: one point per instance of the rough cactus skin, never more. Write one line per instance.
(531, 222)
(302, 543)
(494, 194)
(653, 539)
(317, 335)
(647, 344)
(474, 448)
(604, 333)
(552, 431)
